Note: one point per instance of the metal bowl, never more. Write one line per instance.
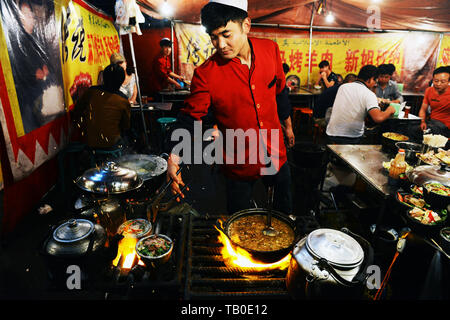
(411, 149)
(155, 261)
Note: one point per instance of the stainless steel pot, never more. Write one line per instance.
(80, 243)
(109, 179)
(329, 264)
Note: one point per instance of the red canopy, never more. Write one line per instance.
(432, 15)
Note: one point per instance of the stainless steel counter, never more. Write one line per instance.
(367, 162)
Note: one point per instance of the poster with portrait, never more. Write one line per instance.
(51, 51)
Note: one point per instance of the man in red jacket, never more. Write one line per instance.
(239, 85)
(162, 75)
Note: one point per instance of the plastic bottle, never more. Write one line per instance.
(398, 165)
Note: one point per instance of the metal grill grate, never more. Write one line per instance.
(207, 276)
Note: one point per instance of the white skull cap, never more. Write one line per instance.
(241, 4)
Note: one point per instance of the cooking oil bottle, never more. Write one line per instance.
(398, 165)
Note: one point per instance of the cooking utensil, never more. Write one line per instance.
(425, 229)
(437, 201)
(109, 179)
(262, 256)
(388, 144)
(269, 230)
(126, 229)
(155, 204)
(410, 150)
(425, 174)
(329, 263)
(150, 168)
(444, 236)
(77, 242)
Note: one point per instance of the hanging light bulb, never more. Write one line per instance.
(166, 10)
(329, 18)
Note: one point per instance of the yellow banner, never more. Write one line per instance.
(88, 40)
(346, 53)
(195, 44)
(444, 52)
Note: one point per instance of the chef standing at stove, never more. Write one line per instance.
(238, 86)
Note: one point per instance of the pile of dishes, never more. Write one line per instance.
(426, 203)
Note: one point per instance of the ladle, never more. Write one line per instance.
(269, 230)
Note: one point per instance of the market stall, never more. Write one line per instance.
(131, 238)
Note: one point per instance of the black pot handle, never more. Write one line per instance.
(361, 277)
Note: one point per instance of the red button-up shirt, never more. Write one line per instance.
(161, 68)
(242, 98)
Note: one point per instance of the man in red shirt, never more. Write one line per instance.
(437, 98)
(162, 75)
(238, 85)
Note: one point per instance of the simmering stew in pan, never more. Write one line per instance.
(247, 232)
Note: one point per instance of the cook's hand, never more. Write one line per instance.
(172, 168)
(423, 125)
(290, 137)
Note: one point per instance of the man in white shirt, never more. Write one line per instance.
(352, 104)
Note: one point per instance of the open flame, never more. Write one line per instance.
(234, 256)
(127, 252)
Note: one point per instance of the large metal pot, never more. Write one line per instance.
(329, 264)
(262, 256)
(80, 243)
(109, 179)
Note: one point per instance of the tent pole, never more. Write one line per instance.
(171, 39)
(310, 42)
(130, 37)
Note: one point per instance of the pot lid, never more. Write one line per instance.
(146, 166)
(73, 230)
(338, 248)
(109, 179)
(135, 228)
(426, 174)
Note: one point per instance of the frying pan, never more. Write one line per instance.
(262, 256)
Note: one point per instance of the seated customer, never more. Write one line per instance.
(437, 98)
(326, 99)
(103, 112)
(387, 90)
(327, 78)
(352, 104)
(129, 87)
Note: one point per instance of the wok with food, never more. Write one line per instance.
(427, 217)
(244, 229)
(389, 139)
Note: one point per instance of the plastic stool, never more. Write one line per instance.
(165, 122)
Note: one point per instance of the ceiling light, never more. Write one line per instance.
(166, 10)
(329, 18)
